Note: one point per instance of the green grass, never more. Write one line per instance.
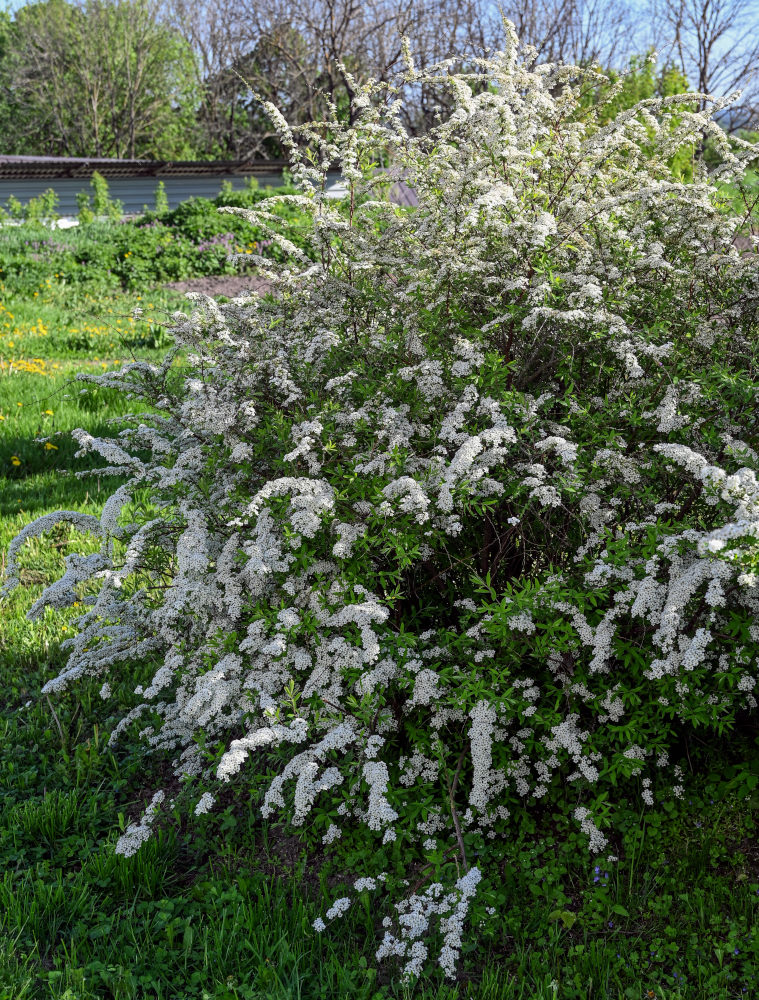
(220, 906)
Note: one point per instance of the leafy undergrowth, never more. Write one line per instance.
(191, 240)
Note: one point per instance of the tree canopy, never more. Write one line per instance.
(97, 78)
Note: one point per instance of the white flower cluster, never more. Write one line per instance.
(414, 917)
(204, 804)
(137, 833)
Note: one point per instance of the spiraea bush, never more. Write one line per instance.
(465, 511)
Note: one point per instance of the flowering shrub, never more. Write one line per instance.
(468, 509)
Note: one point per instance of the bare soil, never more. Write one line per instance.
(230, 285)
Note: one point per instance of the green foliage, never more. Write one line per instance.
(641, 81)
(85, 213)
(102, 204)
(192, 240)
(15, 208)
(161, 199)
(97, 78)
(11, 117)
(42, 208)
(38, 210)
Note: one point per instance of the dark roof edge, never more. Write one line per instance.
(18, 167)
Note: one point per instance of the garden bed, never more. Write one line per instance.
(228, 285)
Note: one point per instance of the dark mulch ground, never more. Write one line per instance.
(230, 285)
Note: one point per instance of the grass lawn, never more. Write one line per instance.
(221, 906)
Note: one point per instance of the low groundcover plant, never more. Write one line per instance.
(467, 508)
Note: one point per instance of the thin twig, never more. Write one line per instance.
(457, 825)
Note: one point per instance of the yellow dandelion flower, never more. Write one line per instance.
(50, 447)
(48, 413)
(15, 460)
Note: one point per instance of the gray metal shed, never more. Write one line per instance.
(134, 182)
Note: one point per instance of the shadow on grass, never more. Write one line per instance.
(53, 489)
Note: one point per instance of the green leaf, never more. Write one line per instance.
(565, 916)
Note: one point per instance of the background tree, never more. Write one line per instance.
(102, 78)
(280, 65)
(181, 78)
(7, 110)
(715, 43)
(576, 31)
(291, 54)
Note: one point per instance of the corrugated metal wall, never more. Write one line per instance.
(134, 192)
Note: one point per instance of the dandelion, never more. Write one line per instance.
(15, 460)
(49, 446)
